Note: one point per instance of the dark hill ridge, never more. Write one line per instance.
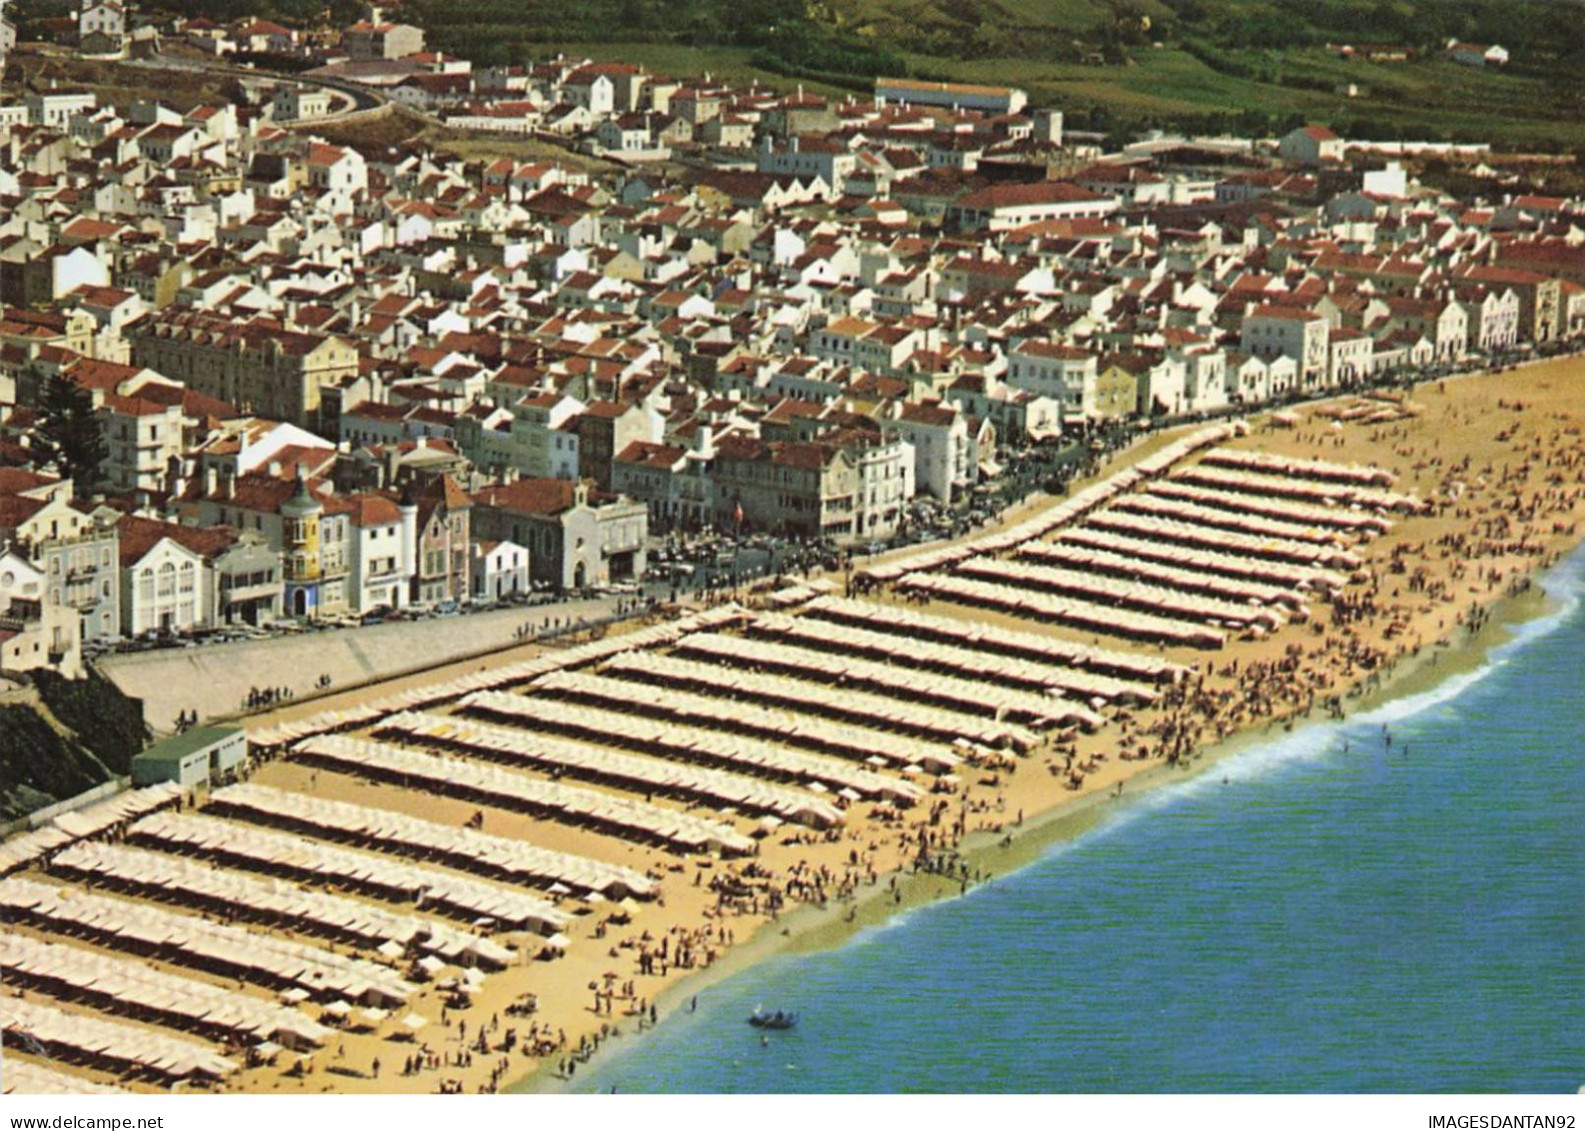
(60, 737)
(1042, 31)
(1039, 31)
(1113, 66)
(39, 765)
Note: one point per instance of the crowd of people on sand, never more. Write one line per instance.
(605, 1000)
(588, 1045)
(684, 948)
(1490, 523)
(1504, 515)
(1353, 646)
(1505, 519)
(490, 1040)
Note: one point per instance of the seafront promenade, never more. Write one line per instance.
(214, 680)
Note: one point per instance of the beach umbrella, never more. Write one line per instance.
(560, 889)
(413, 1022)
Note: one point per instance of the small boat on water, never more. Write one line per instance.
(780, 1019)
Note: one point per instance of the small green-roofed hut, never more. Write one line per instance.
(191, 758)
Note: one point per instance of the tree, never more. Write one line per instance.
(68, 433)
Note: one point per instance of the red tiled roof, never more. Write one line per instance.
(1284, 314)
(529, 496)
(371, 509)
(1024, 195)
(140, 535)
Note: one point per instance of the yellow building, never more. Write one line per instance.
(1116, 392)
(301, 564)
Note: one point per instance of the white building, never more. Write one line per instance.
(382, 552)
(1003, 207)
(332, 168)
(56, 110)
(885, 486)
(58, 271)
(1163, 387)
(958, 95)
(161, 587)
(1492, 317)
(591, 89)
(544, 444)
(499, 570)
(36, 631)
(1066, 374)
(807, 157)
(1477, 54)
(1204, 377)
(106, 18)
(1350, 352)
(293, 103)
(941, 441)
(142, 438)
(1310, 145)
(1444, 321)
(1279, 331)
(1391, 181)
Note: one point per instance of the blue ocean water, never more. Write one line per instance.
(1408, 918)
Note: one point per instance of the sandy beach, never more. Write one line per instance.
(1499, 461)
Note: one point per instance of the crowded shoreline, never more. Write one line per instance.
(1500, 458)
(992, 856)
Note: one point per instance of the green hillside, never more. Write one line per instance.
(1118, 65)
(1111, 64)
(61, 737)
